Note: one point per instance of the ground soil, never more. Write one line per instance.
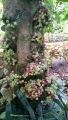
(59, 68)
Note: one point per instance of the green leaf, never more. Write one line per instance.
(65, 106)
(54, 106)
(8, 111)
(1, 1)
(66, 17)
(59, 92)
(59, 83)
(1, 73)
(63, 118)
(19, 118)
(62, 101)
(2, 115)
(24, 101)
(55, 115)
(57, 17)
(40, 118)
(51, 119)
(63, 0)
(39, 109)
(59, 103)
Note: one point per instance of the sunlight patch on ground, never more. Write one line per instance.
(56, 50)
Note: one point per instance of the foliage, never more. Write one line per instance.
(63, 0)
(1, 1)
(58, 14)
(33, 89)
(31, 69)
(9, 44)
(25, 95)
(1, 23)
(41, 18)
(51, 110)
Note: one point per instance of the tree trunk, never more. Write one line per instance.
(20, 12)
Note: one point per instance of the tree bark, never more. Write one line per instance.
(20, 12)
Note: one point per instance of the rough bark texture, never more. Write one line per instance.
(20, 11)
